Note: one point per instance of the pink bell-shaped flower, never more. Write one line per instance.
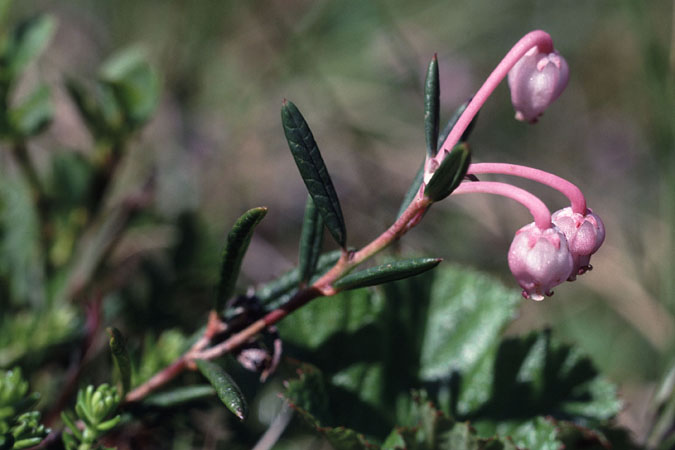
(536, 81)
(539, 259)
(584, 233)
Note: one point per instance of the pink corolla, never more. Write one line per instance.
(536, 81)
(585, 233)
(539, 260)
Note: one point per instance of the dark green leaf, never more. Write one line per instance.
(33, 114)
(120, 355)
(313, 170)
(432, 100)
(450, 173)
(227, 390)
(385, 273)
(413, 190)
(235, 249)
(310, 241)
(29, 40)
(135, 84)
(289, 281)
(451, 123)
(179, 396)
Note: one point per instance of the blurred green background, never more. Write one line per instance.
(355, 68)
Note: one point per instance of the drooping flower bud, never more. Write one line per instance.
(540, 260)
(536, 81)
(585, 234)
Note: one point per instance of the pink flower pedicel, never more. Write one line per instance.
(555, 248)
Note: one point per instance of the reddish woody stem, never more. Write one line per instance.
(573, 193)
(541, 214)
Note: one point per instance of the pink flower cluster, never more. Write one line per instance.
(553, 248)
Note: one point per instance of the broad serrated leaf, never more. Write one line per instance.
(384, 273)
(432, 100)
(120, 354)
(450, 173)
(227, 390)
(179, 396)
(237, 243)
(313, 170)
(28, 41)
(134, 82)
(33, 114)
(412, 190)
(310, 241)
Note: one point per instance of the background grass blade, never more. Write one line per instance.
(120, 355)
(235, 249)
(313, 170)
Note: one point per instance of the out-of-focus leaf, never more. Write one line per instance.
(310, 241)
(450, 173)
(384, 273)
(179, 396)
(33, 114)
(313, 170)
(412, 190)
(91, 109)
(28, 41)
(135, 84)
(227, 390)
(432, 100)
(237, 243)
(120, 354)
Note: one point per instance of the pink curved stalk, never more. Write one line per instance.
(539, 211)
(573, 193)
(537, 38)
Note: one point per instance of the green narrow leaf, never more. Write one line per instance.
(134, 82)
(120, 355)
(451, 123)
(450, 174)
(179, 396)
(235, 249)
(412, 190)
(386, 272)
(33, 114)
(227, 390)
(28, 41)
(313, 170)
(432, 100)
(310, 241)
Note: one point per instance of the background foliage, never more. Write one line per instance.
(214, 148)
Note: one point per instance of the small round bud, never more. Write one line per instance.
(584, 233)
(536, 81)
(540, 260)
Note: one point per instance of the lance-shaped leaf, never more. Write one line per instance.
(28, 41)
(33, 114)
(385, 273)
(451, 172)
(120, 355)
(412, 190)
(432, 100)
(227, 390)
(313, 170)
(310, 241)
(179, 396)
(451, 123)
(235, 249)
